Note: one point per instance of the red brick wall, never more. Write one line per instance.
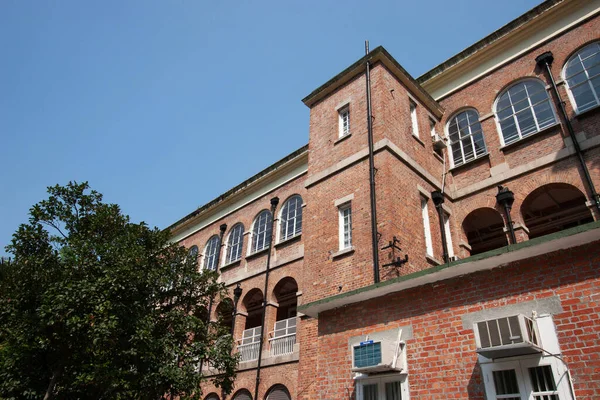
(442, 361)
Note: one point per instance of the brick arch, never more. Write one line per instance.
(285, 295)
(212, 396)
(572, 53)
(251, 299)
(278, 392)
(224, 312)
(553, 207)
(242, 394)
(484, 230)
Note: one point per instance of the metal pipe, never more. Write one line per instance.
(506, 198)
(374, 238)
(544, 61)
(274, 202)
(438, 199)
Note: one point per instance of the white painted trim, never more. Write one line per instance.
(518, 48)
(243, 201)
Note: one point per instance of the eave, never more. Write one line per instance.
(546, 244)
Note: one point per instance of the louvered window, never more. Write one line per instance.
(261, 231)
(582, 74)
(466, 137)
(234, 244)
(279, 392)
(524, 109)
(291, 218)
(210, 253)
(243, 395)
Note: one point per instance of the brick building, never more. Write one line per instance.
(448, 249)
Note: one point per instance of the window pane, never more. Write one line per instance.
(392, 391)
(509, 131)
(542, 381)
(543, 113)
(584, 97)
(370, 392)
(526, 122)
(505, 383)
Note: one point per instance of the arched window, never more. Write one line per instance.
(210, 253)
(193, 253)
(466, 137)
(290, 222)
(261, 231)
(235, 240)
(242, 395)
(212, 396)
(523, 109)
(582, 74)
(278, 392)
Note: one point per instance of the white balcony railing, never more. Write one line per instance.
(249, 346)
(284, 337)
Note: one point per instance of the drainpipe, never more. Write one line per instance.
(237, 293)
(438, 200)
(544, 61)
(222, 230)
(372, 171)
(274, 202)
(506, 198)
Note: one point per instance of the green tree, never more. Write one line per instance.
(93, 306)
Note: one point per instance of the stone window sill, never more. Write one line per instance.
(257, 253)
(289, 240)
(529, 137)
(231, 265)
(342, 139)
(470, 162)
(432, 260)
(587, 112)
(343, 252)
(418, 139)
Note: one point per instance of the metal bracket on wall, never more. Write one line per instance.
(396, 261)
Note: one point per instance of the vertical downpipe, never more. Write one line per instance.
(274, 202)
(374, 238)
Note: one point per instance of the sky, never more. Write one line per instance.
(164, 105)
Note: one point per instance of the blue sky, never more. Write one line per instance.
(163, 105)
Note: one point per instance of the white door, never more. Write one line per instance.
(385, 388)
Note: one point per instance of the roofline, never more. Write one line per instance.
(241, 186)
(379, 54)
(489, 39)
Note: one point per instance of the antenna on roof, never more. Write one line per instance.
(366, 47)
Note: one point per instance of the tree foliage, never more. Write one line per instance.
(95, 306)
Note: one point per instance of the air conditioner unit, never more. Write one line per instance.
(373, 356)
(453, 258)
(508, 336)
(439, 142)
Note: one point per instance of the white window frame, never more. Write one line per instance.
(471, 137)
(426, 226)
(414, 120)
(586, 82)
(380, 381)
(432, 123)
(344, 120)
(448, 234)
(529, 107)
(252, 248)
(285, 220)
(521, 366)
(342, 208)
(228, 259)
(210, 259)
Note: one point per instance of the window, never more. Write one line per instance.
(528, 378)
(448, 235)
(193, 253)
(345, 215)
(235, 241)
(523, 109)
(261, 231)
(290, 221)
(582, 74)
(466, 137)
(391, 387)
(426, 227)
(344, 120)
(211, 252)
(413, 118)
(432, 127)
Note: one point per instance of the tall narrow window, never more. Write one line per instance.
(210, 253)
(432, 127)
(344, 120)
(345, 215)
(466, 137)
(448, 235)
(413, 118)
(426, 227)
(261, 231)
(234, 244)
(582, 74)
(193, 254)
(290, 221)
(523, 109)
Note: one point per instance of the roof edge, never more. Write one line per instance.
(489, 39)
(241, 186)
